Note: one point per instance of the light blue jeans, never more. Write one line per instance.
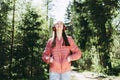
(60, 76)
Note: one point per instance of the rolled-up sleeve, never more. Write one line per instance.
(47, 52)
(76, 52)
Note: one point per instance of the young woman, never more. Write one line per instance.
(57, 53)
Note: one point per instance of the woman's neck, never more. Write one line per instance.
(59, 35)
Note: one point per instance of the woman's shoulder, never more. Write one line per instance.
(50, 39)
(69, 37)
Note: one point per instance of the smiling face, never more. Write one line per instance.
(59, 26)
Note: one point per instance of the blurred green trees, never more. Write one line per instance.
(23, 36)
(24, 32)
(91, 24)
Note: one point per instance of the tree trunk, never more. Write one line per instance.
(12, 40)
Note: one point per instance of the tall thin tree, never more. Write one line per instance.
(12, 39)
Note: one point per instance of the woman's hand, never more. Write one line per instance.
(51, 59)
(47, 57)
(68, 58)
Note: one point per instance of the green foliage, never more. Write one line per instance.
(28, 62)
(93, 32)
(30, 36)
(89, 22)
(4, 40)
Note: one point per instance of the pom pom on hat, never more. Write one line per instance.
(57, 20)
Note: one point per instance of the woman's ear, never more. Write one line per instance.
(64, 28)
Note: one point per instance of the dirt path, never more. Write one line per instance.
(91, 76)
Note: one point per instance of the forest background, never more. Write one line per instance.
(25, 29)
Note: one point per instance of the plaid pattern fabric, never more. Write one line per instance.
(60, 54)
